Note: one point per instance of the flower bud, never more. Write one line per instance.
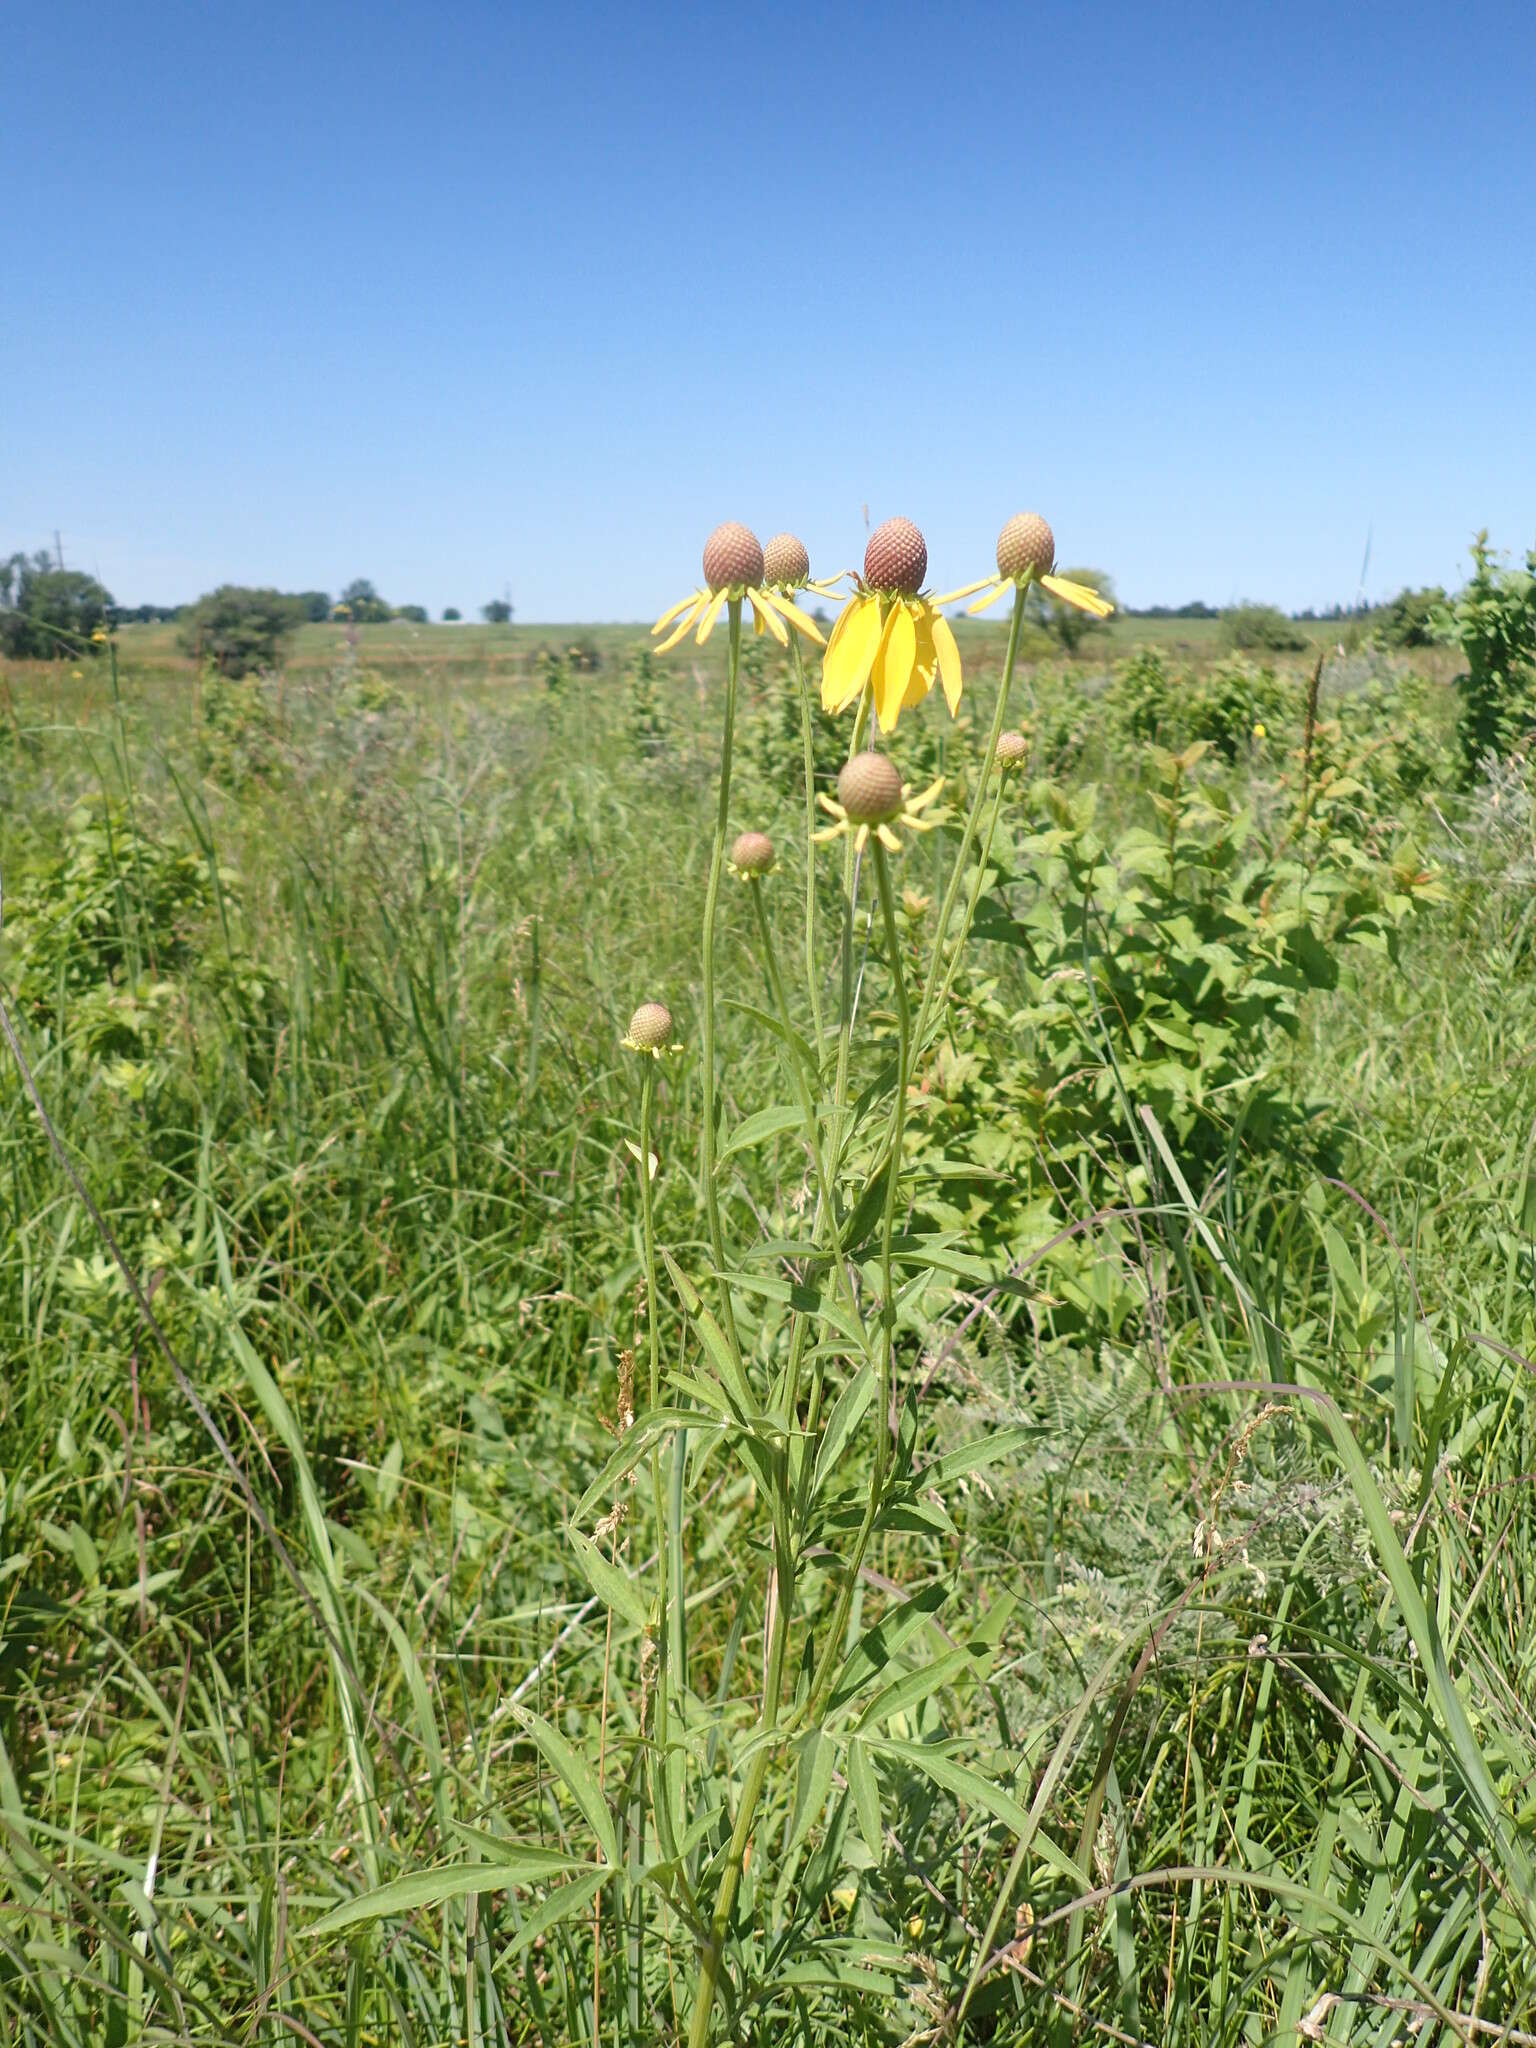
(785, 561)
(650, 1028)
(1012, 748)
(869, 788)
(752, 854)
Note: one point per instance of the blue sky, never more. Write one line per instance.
(458, 297)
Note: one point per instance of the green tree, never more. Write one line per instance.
(240, 630)
(317, 606)
(497, 613)
(1067, 626)
(413, 614)
(1409, 619)
(363, 603)
(47, 613)
(452, 615)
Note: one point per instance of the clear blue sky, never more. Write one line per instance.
(465, 296)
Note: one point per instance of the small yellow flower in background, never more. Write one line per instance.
(872, 798)
(890, 633)
(752, 856)
(1261, 731)
(734, 569)
(650, 1030)
(1026, 553)
(99, 637)
(78, 674)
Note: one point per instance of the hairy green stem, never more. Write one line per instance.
(653, 1330)
(808, 1112)
(976, 887)
(968, 838)
(893, 1150)
(711, 902)
(807, 737)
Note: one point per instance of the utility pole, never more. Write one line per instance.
(58, 549)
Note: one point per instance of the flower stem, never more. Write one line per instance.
(893, 1171)
(711, 901)
(831, 1647)
(812, 1130)
(807, 735)
(976, 887)
(968, 838)
(653, 1328)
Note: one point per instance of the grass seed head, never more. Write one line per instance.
(786, 561)
(869, 789)
(732, 554)
(896, 559)
(1012, 748)
(1026, 546)
(650, 1028)
(752, 853)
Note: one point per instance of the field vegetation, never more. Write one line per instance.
(1071, 1584)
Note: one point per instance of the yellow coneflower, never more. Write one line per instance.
(872, 800)
(890, 633)
(1026, 553)
(787, 568)
(733, 569)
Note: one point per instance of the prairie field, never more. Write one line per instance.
(1019, 1530)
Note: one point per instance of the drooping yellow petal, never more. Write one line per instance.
(967, 590)
(888, 839)
(766, 619)
(850, 652)
(925, 661)
(684, 604)
(892, 669)
(949, 661)
(985, 604)
(921, 803)
(1079, 594)
(684, 625)
(795, 616)
(711, 613)
(830, 805)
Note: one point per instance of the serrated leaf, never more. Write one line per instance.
(865, 1787)
(577, 1776)
(764, 1124)
(424, 1888)
(612, 1585)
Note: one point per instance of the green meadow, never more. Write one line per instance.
(1126, 1359)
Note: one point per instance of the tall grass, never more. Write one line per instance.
(1198, 1715)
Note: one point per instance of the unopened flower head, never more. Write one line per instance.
(1012, 750)
(650, 1030)
(734, 572)
(752, 856)
(890, 634)
(786, 562)
(1026, 553)
(872, 799)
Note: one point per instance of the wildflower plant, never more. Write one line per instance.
(776, 1375)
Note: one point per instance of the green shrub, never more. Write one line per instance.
(48, 614)
(1261, 629)
(1493, 621)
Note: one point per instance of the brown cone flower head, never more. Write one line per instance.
(650, 1028)
(1026, 547)
(1012, 748)
(786, 561)
(869, 788)
(896, 559)
(752, 854)
(732, 554)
